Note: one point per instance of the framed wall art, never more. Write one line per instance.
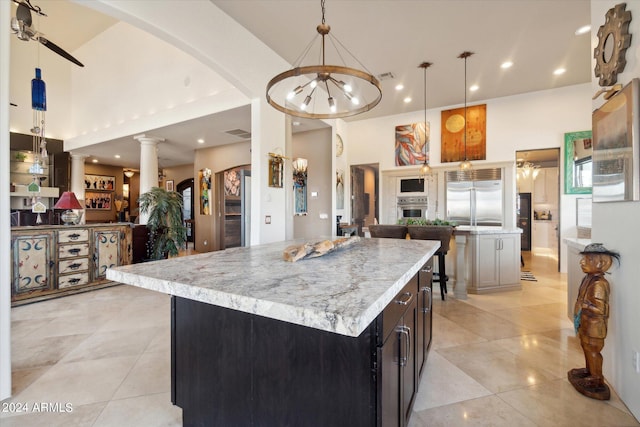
(412, 144)
(99, 182)
(204, 180)
(168, 185)
(99, 200)
(454, 146)
(276, 169)
(578, 152)
(615, 147)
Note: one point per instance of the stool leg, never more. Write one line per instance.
(442, 275)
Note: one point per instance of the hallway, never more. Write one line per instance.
(496, 360)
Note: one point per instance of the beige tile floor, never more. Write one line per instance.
(496, 360)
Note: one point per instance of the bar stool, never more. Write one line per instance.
(442, 233)
(388, 231)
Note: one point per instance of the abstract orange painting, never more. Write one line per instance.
(453, 144)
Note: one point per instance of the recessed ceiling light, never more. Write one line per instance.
(506, 64)
(95, 160)
(407, 100)
(474, 88)
(200, 141)
(583, 30)
(399, 86)
(559, 71)
(117, 156)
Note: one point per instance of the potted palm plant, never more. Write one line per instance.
(167, 232)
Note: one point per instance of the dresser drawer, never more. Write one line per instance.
(73, 265)
(68, 251)
(76, 279)
(75, 235)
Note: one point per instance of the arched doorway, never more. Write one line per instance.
(186, 189)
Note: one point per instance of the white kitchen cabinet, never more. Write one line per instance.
(545, 186)
(496, 262)
(545, 235)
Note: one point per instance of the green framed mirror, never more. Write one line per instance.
(578, 149)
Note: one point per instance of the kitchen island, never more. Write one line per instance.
(337, 340)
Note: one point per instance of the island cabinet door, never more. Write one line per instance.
(397, 359)
(424, 325)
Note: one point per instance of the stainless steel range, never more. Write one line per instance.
(412, 207)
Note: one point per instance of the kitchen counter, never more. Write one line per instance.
(467, 263)
(484, 229)
(340, 292)
(341, 339)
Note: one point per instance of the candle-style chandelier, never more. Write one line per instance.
(324, 91)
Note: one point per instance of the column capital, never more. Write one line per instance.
(148, 139)
(79, 156)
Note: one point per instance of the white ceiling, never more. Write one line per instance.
(385, 36)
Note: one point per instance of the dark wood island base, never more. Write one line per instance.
(231, 368)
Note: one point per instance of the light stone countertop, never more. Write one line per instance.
(341, 292)
(576, 242)
(485, 229)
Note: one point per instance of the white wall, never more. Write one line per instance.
(315, 146)
(616, 225)
(162, 85)
(514, 123)
(5, 230)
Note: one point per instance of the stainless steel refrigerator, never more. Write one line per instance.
(475, 197)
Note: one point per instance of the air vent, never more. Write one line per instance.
(386, 76)
(239, 133)
(474, 175)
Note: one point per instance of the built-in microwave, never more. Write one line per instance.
(411, 186)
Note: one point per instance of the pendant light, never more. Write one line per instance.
(324, 91)
(425, 169)
(465, 164)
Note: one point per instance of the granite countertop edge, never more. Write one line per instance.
(349, 318)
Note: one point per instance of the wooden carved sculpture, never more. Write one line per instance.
(591, 313)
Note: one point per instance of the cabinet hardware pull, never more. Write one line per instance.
(427, 308)
(405, 302)
(74, 251)
(428, 269)
(75, 266)
(74, 281)
(406, 331)
(74, 236)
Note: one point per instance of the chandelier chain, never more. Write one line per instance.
(322, 6)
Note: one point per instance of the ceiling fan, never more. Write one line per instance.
(21, 26)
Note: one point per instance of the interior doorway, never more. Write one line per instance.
(186, 189)
(538, 202)
(364, 195)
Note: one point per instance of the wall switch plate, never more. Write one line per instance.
(636, 361)
(267, 219)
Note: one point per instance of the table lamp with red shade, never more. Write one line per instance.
(68, 201)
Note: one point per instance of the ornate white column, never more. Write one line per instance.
(77, 185)
(148, 166)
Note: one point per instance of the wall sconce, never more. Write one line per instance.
(299, 166)
(129, 173)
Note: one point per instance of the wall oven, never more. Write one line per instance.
(412, 207)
